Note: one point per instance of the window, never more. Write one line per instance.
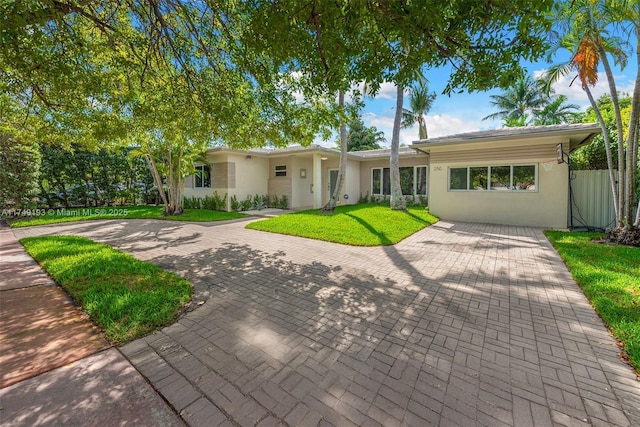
(413, 181)
(281, 170)
(478, 179)
(494, 178)
(203, 176)
(458, 178)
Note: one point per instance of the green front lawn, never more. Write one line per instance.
(54, 216)
(358, 225)
(610, 278)
(125, 297)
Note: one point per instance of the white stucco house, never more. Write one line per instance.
(502, 176)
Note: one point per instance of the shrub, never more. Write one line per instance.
(236, 205)
(258, 202)
(284, 202)
(275, 201)
(247, 204)
(218, 203)
(363, 200)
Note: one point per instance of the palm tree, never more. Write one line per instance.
(556, 112)
(584, 30)
(397, 200)
(420, 101)
(523, 100)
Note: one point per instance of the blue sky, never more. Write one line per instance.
(464, 112)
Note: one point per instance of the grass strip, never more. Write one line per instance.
(55, 216)
(357, 225)
(609, 275)
(125, 297)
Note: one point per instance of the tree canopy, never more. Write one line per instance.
(172, 76)
(361, 137)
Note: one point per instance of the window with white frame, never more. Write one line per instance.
(514, 178)
(280, 170)
(203, 176)
(413, 181)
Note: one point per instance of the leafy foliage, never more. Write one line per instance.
(19, 171)
(593, 156)
(363, 138)
(420, 101)
(79, 177)
(529, 102)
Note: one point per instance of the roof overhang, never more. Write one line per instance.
(575, 134)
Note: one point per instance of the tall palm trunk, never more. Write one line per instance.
(622, 203)
(607, 149)
(632, 142)
(422, 123)
(342, 168)
(397, 199)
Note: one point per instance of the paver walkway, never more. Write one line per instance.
(460, 324)
(40, 328)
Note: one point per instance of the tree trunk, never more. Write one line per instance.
(158, 181)
(397, 199)
(342, 169)
(423, 127)
(623, 203)
(632, 143)
(607, 149)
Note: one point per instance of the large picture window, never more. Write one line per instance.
(203, 176)
(413, 181)
(494, 178)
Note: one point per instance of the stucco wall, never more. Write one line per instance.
(280, 185)
(546, 207)
(301, 195)
(250, 174)
(232, 174)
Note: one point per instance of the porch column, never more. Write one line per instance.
(317, 181)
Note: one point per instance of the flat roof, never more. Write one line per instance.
(578, 133)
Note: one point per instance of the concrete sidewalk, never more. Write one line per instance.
(459, 324)
(56, 368)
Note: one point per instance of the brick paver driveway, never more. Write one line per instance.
(460, 324)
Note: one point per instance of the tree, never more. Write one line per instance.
(88, 70)
(362, 138)
(336, 45)
(593, 156)
(555, 111)
(584, 28)
(420, 102)
(397, 201)
(519, 103)
(133, 73)
(19, 171)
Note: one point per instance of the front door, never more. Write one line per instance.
(333, 180)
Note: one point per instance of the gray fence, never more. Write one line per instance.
(592, 201)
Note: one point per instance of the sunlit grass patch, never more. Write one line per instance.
(125, 297)
(358, 225)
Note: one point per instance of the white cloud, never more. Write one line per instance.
(437, 125)
(445, 124)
